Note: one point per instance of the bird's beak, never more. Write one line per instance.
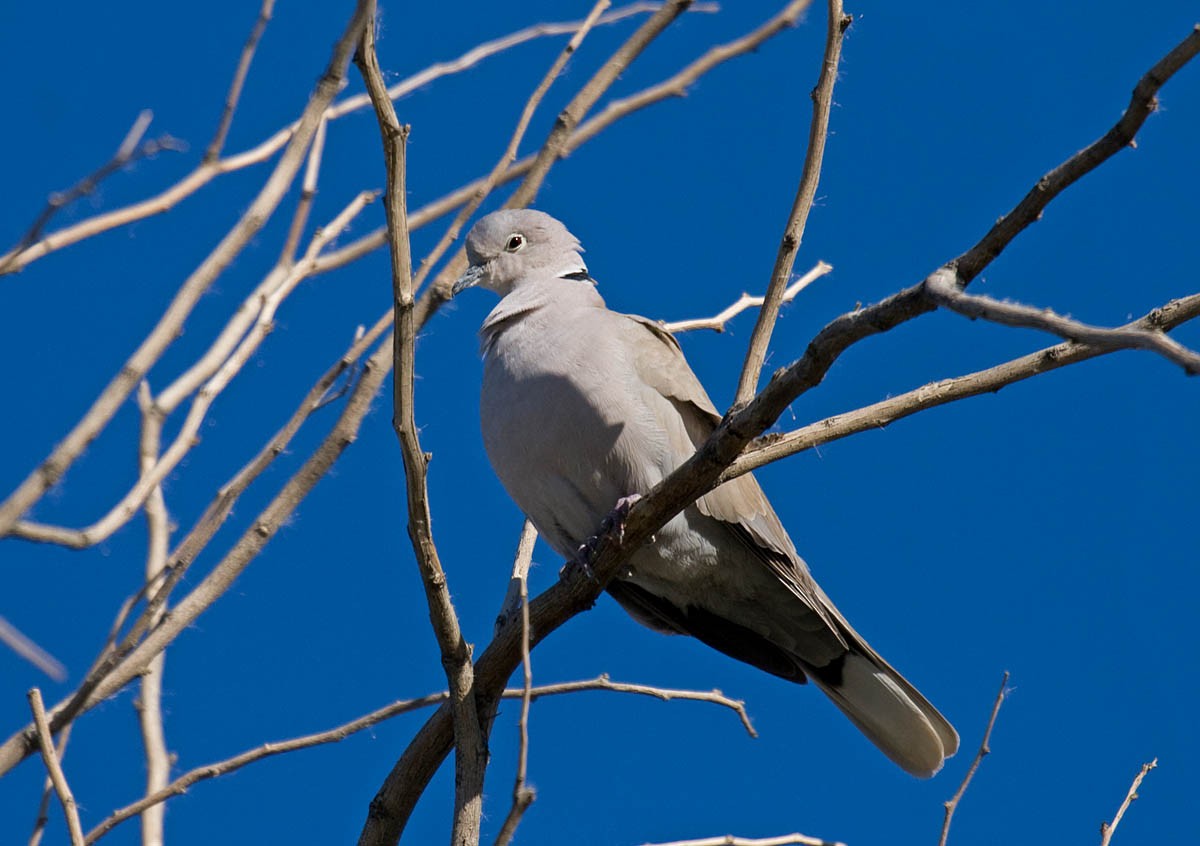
(469, 279)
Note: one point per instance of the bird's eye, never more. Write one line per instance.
(515, 242)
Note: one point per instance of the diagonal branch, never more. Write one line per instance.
(773, 447)
(522, 795)
(717, 321)
(239, 79)
(404, 706)
(43, 816)
(131, 150)
(730, 840)
(14, 639)
(944, 288)
(806, 192)
(1107, 829)
(209, 377)
(984, 751)
(50, 758)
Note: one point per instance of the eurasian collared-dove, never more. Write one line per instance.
(582, 406)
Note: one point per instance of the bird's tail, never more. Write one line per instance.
(888, 710)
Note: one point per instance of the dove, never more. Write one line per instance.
(582, 408)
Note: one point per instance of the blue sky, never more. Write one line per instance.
(1048, 530)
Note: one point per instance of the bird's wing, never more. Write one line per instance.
(740, 503)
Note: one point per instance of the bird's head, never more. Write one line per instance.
(514, 244)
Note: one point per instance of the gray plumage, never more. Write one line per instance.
(582, 406)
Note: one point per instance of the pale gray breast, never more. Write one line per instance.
(556, 408)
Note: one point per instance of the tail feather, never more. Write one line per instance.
(890, 712)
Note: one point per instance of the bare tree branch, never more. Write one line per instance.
(149, 351)
(50, 758)
(730, 840)
(238, 341)
(717, 321)
(516, 596)
(523, 795)
(149, 703)
(806, 192)
(43, 816)
(239, 79)
(404, 706)
(943, 287)
(469, 744)
(308, 192)
(773, 447)
(1107, 829)
(131, 150)
(984, 750)
(13, 638)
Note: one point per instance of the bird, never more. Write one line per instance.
(582, 407)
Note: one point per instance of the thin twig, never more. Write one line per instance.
(513, 603)
(239, 79)
(523, 795)
(730, 840)
(50, 758)
(308, 192)
(984, 749)
(14, 639)
(717, 321)
(131, 150)
(944, 288)
(662, 693)
(470, 746)
(219, 768)
(1107, 829)
(773, 447)
(806, 192)
(43, 815)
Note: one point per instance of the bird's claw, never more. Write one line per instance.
(612, 524)
(582, 562)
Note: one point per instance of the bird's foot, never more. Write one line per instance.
(613, 524)
(582, 562)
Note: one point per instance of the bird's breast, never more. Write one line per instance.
(563, 430)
